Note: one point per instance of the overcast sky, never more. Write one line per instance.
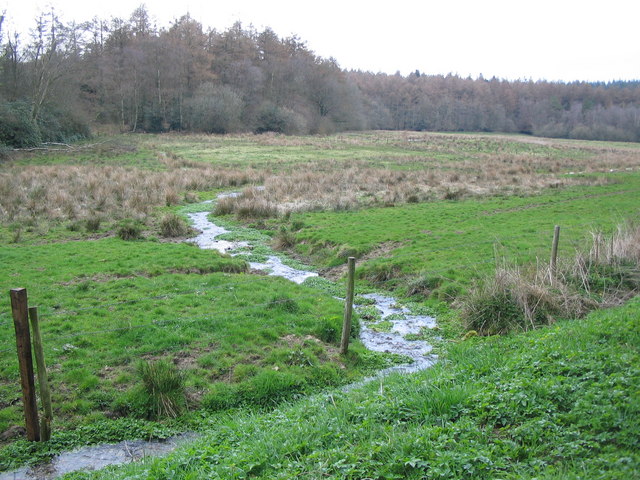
(558, 40)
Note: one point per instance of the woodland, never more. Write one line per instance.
(63, 81)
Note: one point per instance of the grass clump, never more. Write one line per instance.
(173, 225)
(520, 299)
(163, 388)
(130, 229)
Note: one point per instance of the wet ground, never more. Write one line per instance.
(97, 457)
(391, 341)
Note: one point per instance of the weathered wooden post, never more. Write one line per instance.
(23, 342)
(348, 306)
(554, 254)
(43, 381)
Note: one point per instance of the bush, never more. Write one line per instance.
(272, 118)
(173, 225)
(163, 387)
(57, 125)
(17, 129)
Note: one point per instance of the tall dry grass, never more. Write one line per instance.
(334, 185)
(398, 167)
(523, 298)
(76, 192)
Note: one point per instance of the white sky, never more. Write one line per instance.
(561, 40)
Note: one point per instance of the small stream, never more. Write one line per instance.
(392, 340)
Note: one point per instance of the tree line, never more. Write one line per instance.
(66, 78)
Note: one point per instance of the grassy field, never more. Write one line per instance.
(426, 215)
(558, 403)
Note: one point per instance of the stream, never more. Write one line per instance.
(390, 340)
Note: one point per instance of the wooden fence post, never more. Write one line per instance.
(43, 381)
(348, 306)
(554, 254)
(23, 342)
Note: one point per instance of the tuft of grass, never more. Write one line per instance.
(163, 387)
(130, 229)
(92, 224)
(519, 299)
(173, 225)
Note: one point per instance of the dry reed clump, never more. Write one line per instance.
(66, 192)
(331, 186)
(517, 298)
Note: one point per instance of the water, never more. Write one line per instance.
(97, 457)
(394, 341)
(208, 239)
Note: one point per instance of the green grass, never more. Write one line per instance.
(106, 304)
(558, 403)
(457, 241)
(496, 408)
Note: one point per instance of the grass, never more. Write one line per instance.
(106, 304)
(559, 402)
(425, 214)
(452, 242)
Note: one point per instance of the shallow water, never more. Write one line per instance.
(208, 239)
(394, 341)
(97, 457)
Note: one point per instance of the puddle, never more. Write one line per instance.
(97, 457)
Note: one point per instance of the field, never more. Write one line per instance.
(558, 403)
(96, 235)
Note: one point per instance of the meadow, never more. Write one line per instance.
(427, 216)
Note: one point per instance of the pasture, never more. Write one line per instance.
(426, 215)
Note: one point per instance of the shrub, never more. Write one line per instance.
(163, 387)
(17, 129)
(173, 225)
